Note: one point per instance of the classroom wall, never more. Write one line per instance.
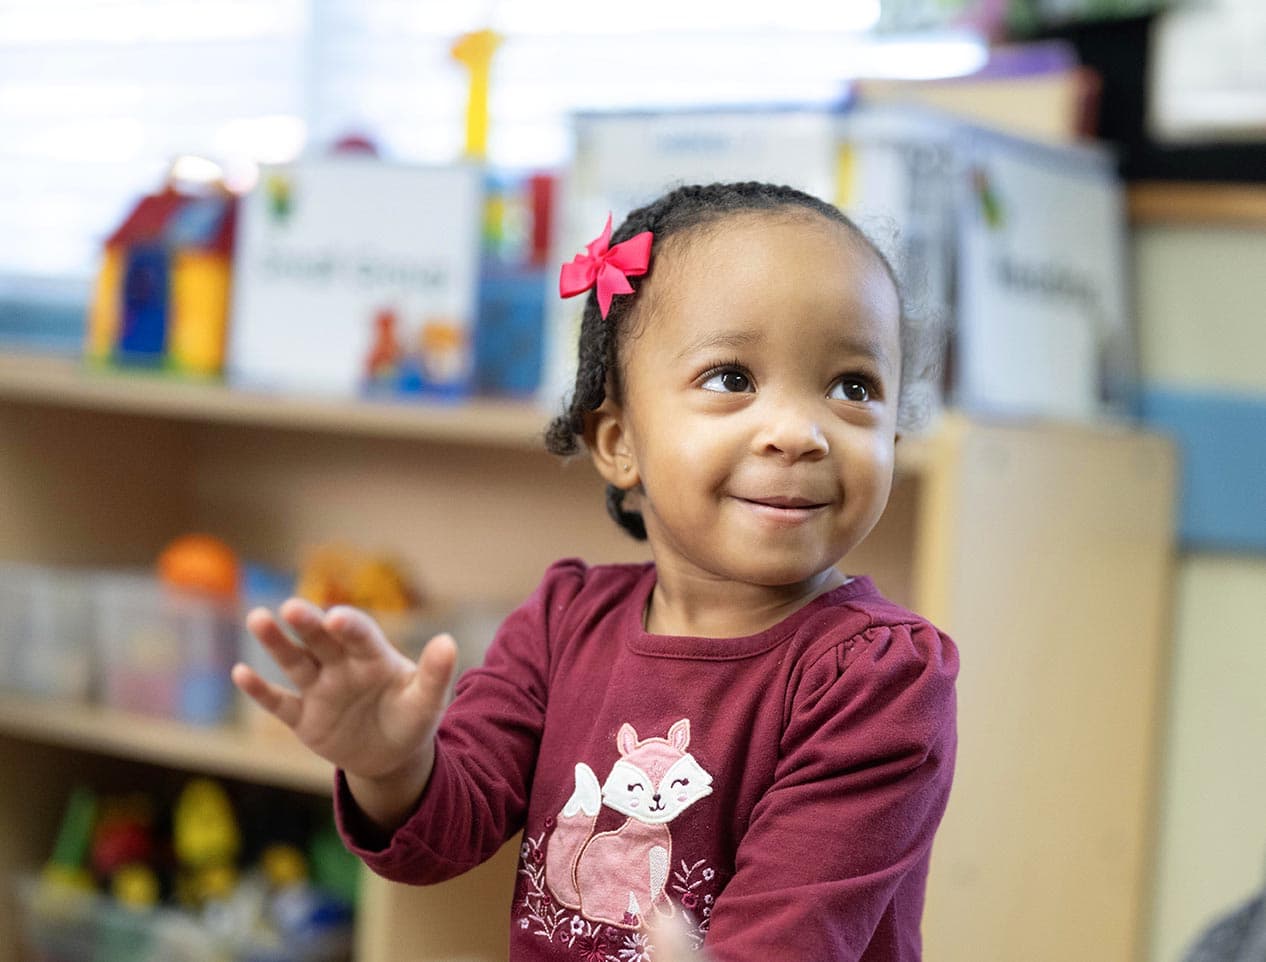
(1199, 299)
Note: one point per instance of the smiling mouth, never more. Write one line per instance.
(784, 510)
(792, 503)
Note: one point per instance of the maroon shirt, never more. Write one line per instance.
(779, 792)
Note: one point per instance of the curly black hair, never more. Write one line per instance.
(681, 210)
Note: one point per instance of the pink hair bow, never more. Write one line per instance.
(607, 267)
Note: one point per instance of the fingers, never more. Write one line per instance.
(308, 622)
(274, 699)
(356, 632)
(672, 944)
(296, 661)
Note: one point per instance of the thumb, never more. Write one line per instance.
(436, 666)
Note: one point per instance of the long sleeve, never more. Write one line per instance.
(833, 865)
(485, 753)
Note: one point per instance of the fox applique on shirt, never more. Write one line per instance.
(779, 792)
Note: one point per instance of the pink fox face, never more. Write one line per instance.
(655, 780)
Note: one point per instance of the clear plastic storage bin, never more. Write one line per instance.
(162, 651)
(45, 639)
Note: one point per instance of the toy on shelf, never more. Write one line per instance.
(161, 298)
(201, 563)
(341, 575)
(513, 284)
(123, 839)
(475, 51)
(206, 841)
(67, 868)
(168, 638)
(230, 905)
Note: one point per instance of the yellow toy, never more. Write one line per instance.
(475, 50)
(206, 841)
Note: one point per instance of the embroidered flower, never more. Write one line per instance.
(524, 851)
(577, 925)
(550, 823)
(690, 900)
(593, 948)
(637, 948)
(523, 923)
(707, 900)
(632, 919)
(537, 856)
(708, 874)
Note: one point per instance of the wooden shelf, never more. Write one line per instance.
(1197, 204)
(269, 759)
(67, 382)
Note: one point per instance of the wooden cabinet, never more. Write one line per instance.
(1044, 549)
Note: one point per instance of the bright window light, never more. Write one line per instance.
(98, 97)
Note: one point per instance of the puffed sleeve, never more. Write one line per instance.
(485, 753)
(833, 865)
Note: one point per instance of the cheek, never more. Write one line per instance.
(868, 466)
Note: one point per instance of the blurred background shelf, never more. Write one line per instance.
(231, 752)
(68, 382)
(1197, 204)
(992, 530)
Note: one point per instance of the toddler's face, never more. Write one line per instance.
(760, 400)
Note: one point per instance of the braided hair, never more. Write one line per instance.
(677, 212)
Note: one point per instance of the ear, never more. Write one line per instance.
(626, 739)
(679, 735)
(609, 442)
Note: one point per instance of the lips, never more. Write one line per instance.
(782, 509)
(783, 502)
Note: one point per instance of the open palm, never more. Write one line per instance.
(358, 702)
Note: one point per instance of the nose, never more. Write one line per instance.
(792, 431)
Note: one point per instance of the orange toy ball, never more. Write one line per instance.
(200, 562)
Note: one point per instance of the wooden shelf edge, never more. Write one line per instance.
(66, 382)
(1179, 203)
(266, 759)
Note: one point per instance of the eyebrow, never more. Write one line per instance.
(865, 346)
(728, 340)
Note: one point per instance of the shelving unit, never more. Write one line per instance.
(1013, 537)
(1197, 204)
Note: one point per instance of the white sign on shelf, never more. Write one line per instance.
(1042, 323)
(351, 273)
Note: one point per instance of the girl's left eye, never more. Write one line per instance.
(729, 381)
(850, 389)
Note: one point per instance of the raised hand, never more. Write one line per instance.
(359, 702)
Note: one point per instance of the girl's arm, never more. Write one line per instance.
(834, 862)
(485, 754)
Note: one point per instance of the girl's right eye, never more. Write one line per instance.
(728, 381)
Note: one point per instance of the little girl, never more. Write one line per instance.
(737, 734)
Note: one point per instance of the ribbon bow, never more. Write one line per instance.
(607, 267)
